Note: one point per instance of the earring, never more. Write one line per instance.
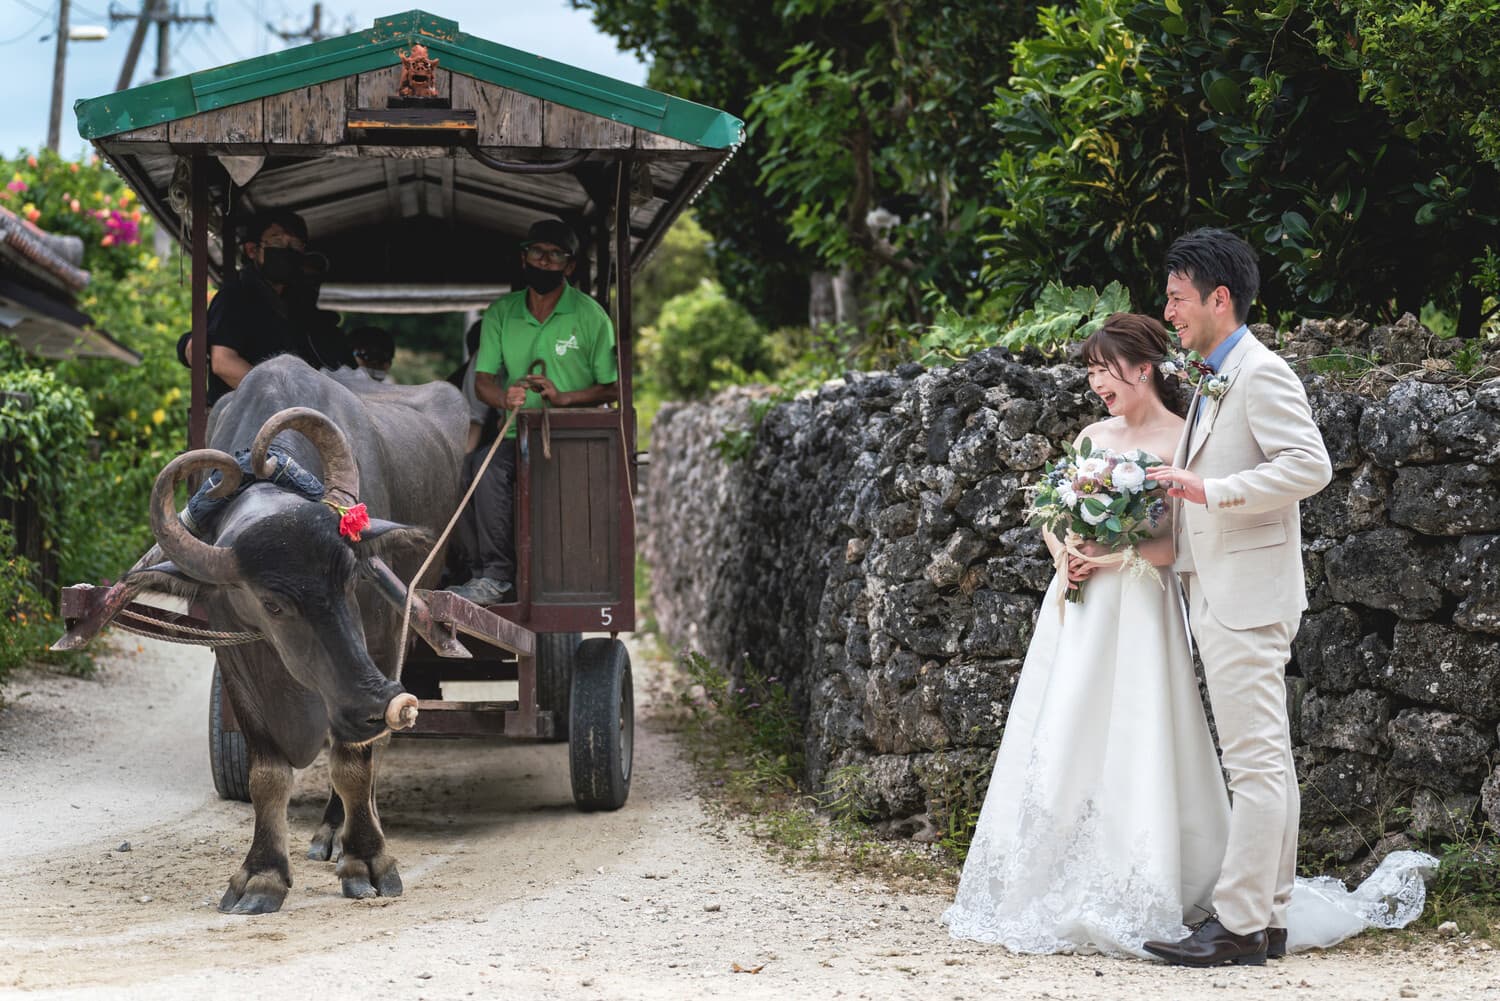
(1143, 376)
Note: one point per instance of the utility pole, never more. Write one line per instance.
(312, 33)
(59, 64)
(152, 12)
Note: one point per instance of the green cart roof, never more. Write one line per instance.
(407, 225)
(375, 48)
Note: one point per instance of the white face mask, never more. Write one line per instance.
(378, 374)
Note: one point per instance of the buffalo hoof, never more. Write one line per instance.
(262, 893)
(363, 879)
(325, 845)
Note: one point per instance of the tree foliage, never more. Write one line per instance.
(679, 265)
(1127, 123)
(1354, 142)
(852, 108)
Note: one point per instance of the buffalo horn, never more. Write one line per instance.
(340, 474)
(194, 557)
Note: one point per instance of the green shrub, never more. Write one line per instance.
(139, 412)
(701, 338)
(28, 624)
(44, 429)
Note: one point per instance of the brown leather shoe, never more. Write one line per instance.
(1211, 944)
(1275, 943)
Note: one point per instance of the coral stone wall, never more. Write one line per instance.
(870, 551)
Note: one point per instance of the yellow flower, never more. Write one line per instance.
(158, 415)
(132, 415)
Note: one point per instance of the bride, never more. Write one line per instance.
(1106, 819)
(1107, 815)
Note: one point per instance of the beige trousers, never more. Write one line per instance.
(1246, 672)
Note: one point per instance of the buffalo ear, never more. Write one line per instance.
(384, 538)
(167, 578)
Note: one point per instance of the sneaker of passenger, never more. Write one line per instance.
(483, 590)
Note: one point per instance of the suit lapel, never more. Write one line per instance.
(1202, 428)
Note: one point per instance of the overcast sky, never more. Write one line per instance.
(546, 27)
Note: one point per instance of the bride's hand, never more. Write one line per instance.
(1080, 569)
(1093, 550)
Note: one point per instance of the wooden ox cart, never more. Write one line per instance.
(420, 205)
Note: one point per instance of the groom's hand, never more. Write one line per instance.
(1180, 483)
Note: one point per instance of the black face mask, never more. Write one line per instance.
(540, 280)
(281, 265)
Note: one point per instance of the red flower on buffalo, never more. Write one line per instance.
(352, 520)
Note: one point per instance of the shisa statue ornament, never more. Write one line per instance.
(418, 73)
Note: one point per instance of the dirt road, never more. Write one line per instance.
(510, 893)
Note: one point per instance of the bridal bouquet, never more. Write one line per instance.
(1096, 495)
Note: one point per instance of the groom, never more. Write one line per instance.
(1249, 453)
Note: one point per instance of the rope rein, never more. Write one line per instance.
(411, 587)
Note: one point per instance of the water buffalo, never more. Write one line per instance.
(274, 562)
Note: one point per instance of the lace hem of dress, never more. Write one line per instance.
(1063, 885)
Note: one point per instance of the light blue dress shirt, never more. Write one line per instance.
(1216, 358)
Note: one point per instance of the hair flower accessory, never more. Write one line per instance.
(1187, 366)
(352, 520)
(1193, 370)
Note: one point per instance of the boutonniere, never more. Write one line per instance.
(1215, 386)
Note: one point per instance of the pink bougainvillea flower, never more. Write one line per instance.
(125, 230)
(16, 185)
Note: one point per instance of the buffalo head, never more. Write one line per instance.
(278, 565)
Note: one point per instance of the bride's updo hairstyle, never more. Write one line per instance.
(1130, 339)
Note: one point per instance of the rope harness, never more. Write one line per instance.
(177, 632)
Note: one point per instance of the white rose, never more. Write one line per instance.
(1092, 518)
(1129, 476)
(1092, 467)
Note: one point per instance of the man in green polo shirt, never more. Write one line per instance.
(548, 321)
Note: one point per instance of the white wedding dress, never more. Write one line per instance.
(1107, 815)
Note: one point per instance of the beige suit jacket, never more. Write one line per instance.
(1259, 453)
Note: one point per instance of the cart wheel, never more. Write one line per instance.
(554, 677)
(602, 738)
(228, 757)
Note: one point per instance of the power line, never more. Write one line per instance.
(23, 36)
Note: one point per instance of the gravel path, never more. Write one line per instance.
(510, 893)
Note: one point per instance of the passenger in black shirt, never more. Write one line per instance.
(270, 308)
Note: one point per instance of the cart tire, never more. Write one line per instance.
(228, 757)
(554, 677)
(602, 738)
